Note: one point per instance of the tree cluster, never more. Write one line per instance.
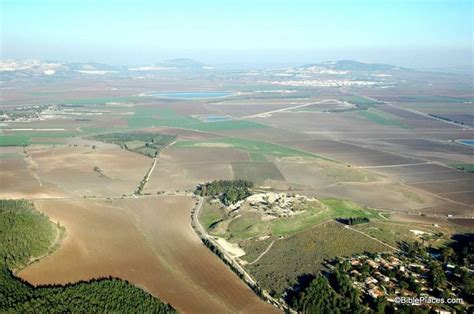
(353, 220)
(227, 191)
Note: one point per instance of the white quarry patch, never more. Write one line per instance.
(232, 248)
(273, 204)
(419, 232)
(49, 72)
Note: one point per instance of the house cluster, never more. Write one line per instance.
(394, 276)
(27, 113)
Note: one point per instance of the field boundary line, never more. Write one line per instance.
(288, 108)
(396, 166)
(441, 181)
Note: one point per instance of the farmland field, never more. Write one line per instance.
(256, 172)
(83, 170)
(124, 230)
(247, 145)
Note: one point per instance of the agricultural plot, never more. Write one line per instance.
(126, 243)
(362, 103)
(383, 118)
(350, 153)
(184, 177)
(395, 196)
(256, 172)
(436, 150)
(183, 168)
(100, 171)
(310, 123)
(252, 107)
(416, 121)
(154, 117)
(250, 146)
(319, 173)
(25, 138)
(464, 167)
(19, 178)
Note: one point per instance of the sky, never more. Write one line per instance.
(424, 34)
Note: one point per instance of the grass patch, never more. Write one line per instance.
(247, 226)
(314, 214)
(383, 118)
(250, 225)
(210, 215)
(256, 172)
(305, 253)
(394, 233)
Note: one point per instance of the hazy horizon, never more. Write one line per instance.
(417, 34)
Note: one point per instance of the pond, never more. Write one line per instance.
(467, 142)
(216, 118)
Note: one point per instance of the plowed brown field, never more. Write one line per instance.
(149, 242)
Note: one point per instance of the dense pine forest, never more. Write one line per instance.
(26, 233)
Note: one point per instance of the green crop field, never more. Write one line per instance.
(383, 118)
(255, 156)
(24, 138)
(249, 146)
(362, 103)
(464, 167)
(148, 117)
(103, 100)
(433, 98)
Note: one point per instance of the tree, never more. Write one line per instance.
(447, 252)
(319, 297)
(437, 277)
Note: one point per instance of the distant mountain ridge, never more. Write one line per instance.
(352, 65)
(183, 63)
(10, 68)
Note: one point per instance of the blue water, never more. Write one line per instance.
(191, 95)
(467, 142)
(215, 118)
